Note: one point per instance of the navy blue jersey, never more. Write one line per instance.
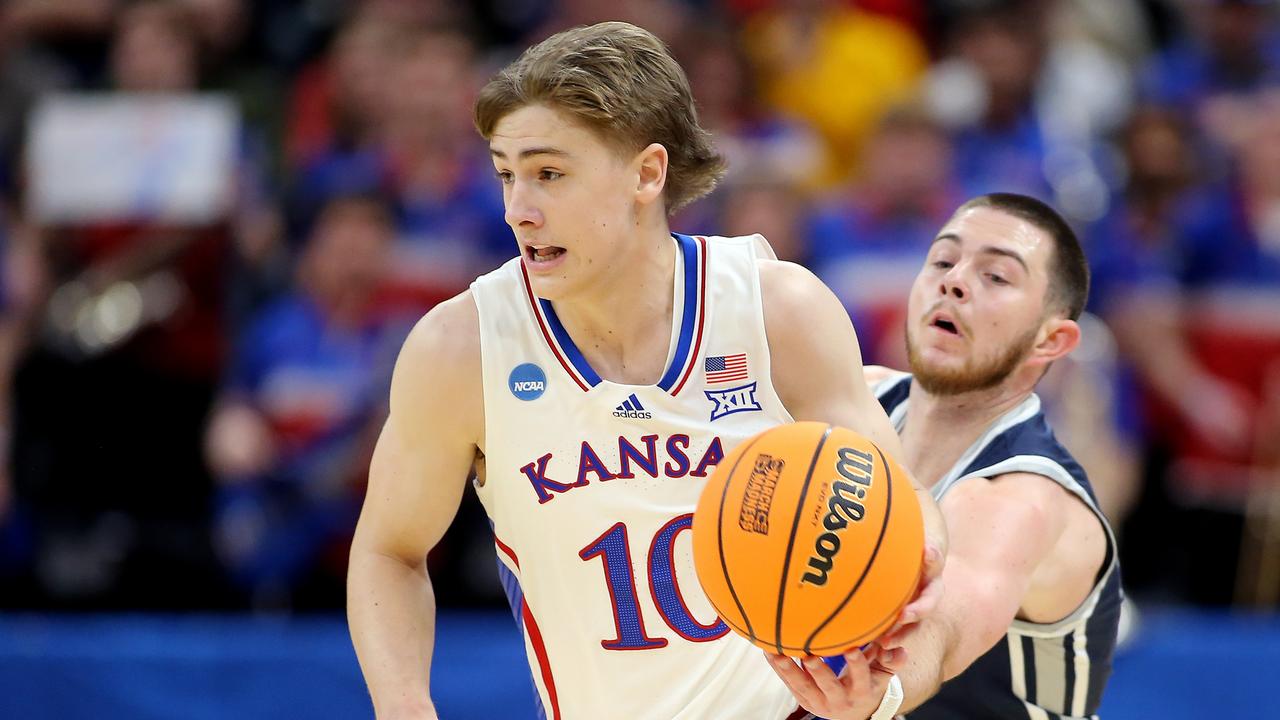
(1039, 671)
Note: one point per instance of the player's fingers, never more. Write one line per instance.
(930, 590)
(856, 676)
(889, 660)
(824, 677)
(933, 560)
(927, 595)
(923, 605)
(796, 679)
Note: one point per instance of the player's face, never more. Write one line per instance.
(569, 197)
(977, 306)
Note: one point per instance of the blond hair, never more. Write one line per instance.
(620, 81)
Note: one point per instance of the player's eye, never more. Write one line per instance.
(505, 177)
(549, 175)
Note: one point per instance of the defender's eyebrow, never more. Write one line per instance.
(987, 249)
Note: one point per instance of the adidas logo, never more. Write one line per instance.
(631, 408)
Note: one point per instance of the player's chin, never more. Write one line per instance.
(941, 360)
(552, 286)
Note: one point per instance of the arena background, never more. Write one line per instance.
(218, 219)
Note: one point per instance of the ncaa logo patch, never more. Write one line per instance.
(732, 400)
(527, 382)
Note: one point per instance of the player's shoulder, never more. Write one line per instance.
(438, 372)
(447, 338)
(789, 284)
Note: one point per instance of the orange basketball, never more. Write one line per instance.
(808, 540)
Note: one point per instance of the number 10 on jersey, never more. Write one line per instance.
(614, 550)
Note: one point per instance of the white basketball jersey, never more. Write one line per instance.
(591, 485)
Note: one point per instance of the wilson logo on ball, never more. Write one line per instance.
(757, 499)
(843, 507)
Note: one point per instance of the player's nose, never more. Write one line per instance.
(520, 210)
(953, 284)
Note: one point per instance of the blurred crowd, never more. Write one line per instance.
(219, 219)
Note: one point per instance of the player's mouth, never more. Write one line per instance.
(542, 255)
(946, 324)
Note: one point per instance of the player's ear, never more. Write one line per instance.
(651, 164)
(1058, 336)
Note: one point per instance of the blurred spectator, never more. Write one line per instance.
(391, 112)
(1135, 258)
(1231, 274)
(764, 149)
(290, 439)
(867, 241)
(452, 225)
(340, 101)
(1233, 48)
(999, 48)
(755, 139)
(1191, 281)
(774, 209)
(1020, 122)
(835, 66)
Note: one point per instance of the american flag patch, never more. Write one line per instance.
(725, 368)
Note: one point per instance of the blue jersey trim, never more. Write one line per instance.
(515, 596)
(689, 250)
(688, 316)
(566, 343)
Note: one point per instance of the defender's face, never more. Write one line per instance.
(568, 198)
(977, 306)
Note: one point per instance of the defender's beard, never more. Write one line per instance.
(975, 374)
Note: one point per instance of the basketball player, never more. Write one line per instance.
(593, 383)
(1027, 623)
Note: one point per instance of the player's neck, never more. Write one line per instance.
(623, 327)
(939, 428)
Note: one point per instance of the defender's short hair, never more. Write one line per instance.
(1068, 268)
(622, 82)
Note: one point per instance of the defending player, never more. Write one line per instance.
(593, 383)
(1027, 624)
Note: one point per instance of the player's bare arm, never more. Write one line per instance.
(817, 367)
(416, 479)
(1001, 530)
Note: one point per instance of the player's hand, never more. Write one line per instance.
(924, 603)
(853, 695)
